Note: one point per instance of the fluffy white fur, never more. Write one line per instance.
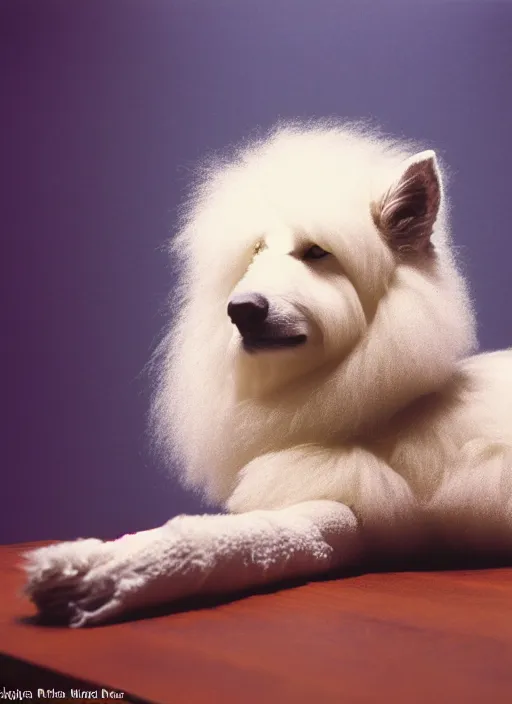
(378, 434)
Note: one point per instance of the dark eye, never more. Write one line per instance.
(314, 252)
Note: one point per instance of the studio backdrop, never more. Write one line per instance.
(107, 106)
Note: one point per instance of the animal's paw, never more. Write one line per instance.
(73, 582)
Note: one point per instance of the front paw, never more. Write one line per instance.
(67, 578)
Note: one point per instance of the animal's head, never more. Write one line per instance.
(338, 219)
(318, 287)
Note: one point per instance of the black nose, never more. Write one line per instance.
(248, 310)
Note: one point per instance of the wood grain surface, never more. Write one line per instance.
(415, 637)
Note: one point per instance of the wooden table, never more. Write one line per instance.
(417, 637)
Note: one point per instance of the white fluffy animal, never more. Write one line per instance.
(316, 383)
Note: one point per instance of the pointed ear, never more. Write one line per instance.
(406, 214)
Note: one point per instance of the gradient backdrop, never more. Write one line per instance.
(105, 106)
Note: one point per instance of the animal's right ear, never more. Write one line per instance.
(406, 214)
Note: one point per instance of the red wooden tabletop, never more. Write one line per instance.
(402, 637)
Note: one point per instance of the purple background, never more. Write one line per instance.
(106, 105)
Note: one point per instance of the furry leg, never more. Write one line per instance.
(387, 511)
(87, 582)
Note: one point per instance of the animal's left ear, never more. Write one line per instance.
(406, 214)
